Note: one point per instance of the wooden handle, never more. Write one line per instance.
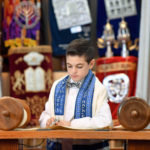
(134, 114)
(6, 113)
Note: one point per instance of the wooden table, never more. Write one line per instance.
(139, 140)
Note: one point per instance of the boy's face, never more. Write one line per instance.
(78, 67)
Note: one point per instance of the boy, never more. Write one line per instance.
(78, 100)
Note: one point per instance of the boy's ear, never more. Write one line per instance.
(92, 63)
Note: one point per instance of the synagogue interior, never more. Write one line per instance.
(34, 36)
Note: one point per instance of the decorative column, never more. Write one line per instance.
(143, 74)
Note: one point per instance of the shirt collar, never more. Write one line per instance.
(71, 81)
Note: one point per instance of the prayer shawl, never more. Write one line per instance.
(84, 98)
(99, 98)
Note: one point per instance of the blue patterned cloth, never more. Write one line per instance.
(84, 98)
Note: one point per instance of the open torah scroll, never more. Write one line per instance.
(56, 127)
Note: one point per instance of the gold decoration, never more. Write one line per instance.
(17, 82)
(119, 66)
(17, 42)
(47, 59)
(38, 37)
(135, 45)
(20, 59)
(36, 104)
(48, 79)
(22, 50)
(23, 35)
(100, 43)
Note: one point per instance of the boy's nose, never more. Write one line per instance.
(74, 70)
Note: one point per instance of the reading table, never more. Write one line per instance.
(139, 140)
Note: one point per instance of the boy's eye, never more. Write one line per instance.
(69, 66)
(79, 67)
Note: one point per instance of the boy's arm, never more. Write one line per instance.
(46, 115)
(49, 108)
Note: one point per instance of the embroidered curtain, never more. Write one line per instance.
(31, 77)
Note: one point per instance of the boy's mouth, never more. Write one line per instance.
(74, 76)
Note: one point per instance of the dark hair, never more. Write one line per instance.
(81, 47)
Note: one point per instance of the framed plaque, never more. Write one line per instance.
(71, 13)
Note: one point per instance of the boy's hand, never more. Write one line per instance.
(63, 123)
(50, 121)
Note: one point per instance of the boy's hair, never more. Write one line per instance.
(81, 47)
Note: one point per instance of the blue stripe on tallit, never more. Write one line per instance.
(85, 96)
(59, 96)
